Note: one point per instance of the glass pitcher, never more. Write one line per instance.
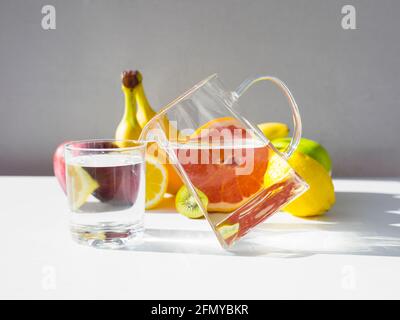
(223, 158)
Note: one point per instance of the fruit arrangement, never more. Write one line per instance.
(311, 161)
(218, 180)
(160, 178)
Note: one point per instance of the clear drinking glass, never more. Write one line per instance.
(220, 154)
(106, 191)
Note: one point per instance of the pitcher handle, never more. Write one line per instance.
(295, 110)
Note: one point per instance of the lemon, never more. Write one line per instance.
(156, 181)
(320, 196)
(309, 147)
(274, 130)
(81, 186)
(277, 170)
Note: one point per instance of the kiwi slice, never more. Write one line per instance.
(186, 204)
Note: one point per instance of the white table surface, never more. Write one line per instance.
(352, 252)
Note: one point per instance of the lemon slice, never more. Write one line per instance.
(81, 185)
(156, 181)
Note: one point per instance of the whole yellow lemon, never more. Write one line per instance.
(320, 196)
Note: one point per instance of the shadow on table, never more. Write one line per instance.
(359, 224)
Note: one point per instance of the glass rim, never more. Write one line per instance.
(174, 102)
(187, 93)
(137, 144)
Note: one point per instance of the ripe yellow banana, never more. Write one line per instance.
(128, 128)
(144, 111)
(274, 130)
(144, 114)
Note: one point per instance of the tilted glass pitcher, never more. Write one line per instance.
(233, 174)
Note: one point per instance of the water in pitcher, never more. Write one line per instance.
(231, 175)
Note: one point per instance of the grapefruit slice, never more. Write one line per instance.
(215, 171)
(219, 124)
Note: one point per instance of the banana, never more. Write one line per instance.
(128, 128)
(274, 130)
(144, 111)
(143, 115)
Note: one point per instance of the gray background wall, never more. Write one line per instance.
(64, 84)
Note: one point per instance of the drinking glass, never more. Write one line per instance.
(106, 191)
